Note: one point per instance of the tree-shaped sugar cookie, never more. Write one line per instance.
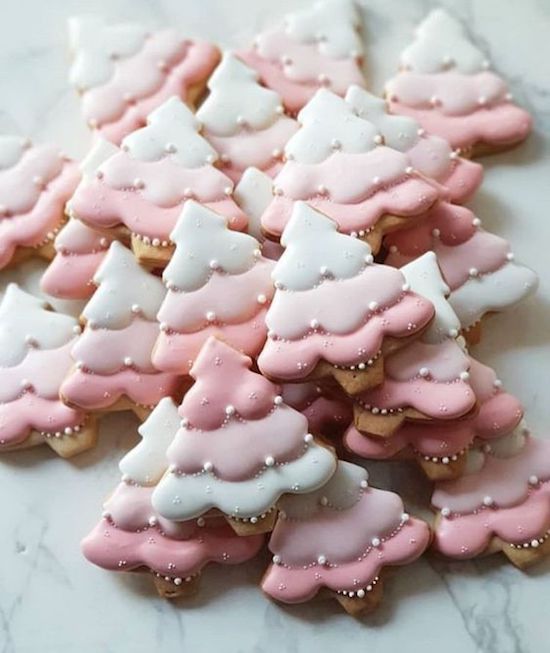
(35, 183)
(35, 346)
(139, 190)
(317, 47)
(446, 84)
(239, 448)
(243, 120)
(340, 538)
(112, 359)
(123, 72)
(79, 251)
(132, 536)
(218, 284)
(502, 503)
(440, 446)
(478, 266)
(335, 312)
(428, 379)
(338, 163)
(429, 154)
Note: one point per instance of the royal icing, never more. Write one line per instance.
(327, 413)
(340, 537)
(331, 302)
(317, 47)
(35, 183)
(337, 162)
(430, 155)
(243, 120)
(124, 71)
(113, 355)
(35, 344)
(218, 284)
(144, 185)
(446, 86)
(233, 409)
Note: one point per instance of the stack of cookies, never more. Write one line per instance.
(274, 263)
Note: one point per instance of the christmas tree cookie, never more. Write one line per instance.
(218, 284)
(314, 48)
(243, 120)
(338, 539)
(430, 155)
(35, 183)
(428, 379)
(440, 447)
(446, 84)
(502, 503)
(478, 266)
(124, 71)
(335, 312)
(338, 163)
(239, 448)
(35, 346)
(112, 358)
(132, 536)
(138, 192)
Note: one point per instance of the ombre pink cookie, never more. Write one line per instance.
(35, 183)
(124, 72)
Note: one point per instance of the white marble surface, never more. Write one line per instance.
(52, 601)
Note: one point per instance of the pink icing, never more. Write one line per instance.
(147, 84)
(216, 370)
(297, 79)
(441, 394)
(327, 413)
(296, 359)
(249, 148)
(33, 192)
(151, 211)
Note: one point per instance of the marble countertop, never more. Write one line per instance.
(52, 601)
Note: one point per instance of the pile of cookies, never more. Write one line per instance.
(279, 276)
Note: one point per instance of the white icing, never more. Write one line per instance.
(424, 277)
(146, 462)
(253, 194)
(172, 132)
(181, 497)
(97, 47)
(237, 100)
(25, 322)
(442, 44)
(511, 444)
(123, 286)
(98, 154)
(11, 151)
(315, 250)
(203, 243)
(494, 291)
(329, 124)
(332, 24)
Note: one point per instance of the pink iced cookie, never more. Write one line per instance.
(35, 345)
(244, 121)
(133, 536)
(239, 448)
(79, 251)
(340, 537)
(332, 304)
(478, 266)
(337, 162)
(123, 72)
(316, 48)
(143, 186)
(501, 503)
(35, 183)
(112, 358)
(445, 85)
(218, 284)
(430, 155)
